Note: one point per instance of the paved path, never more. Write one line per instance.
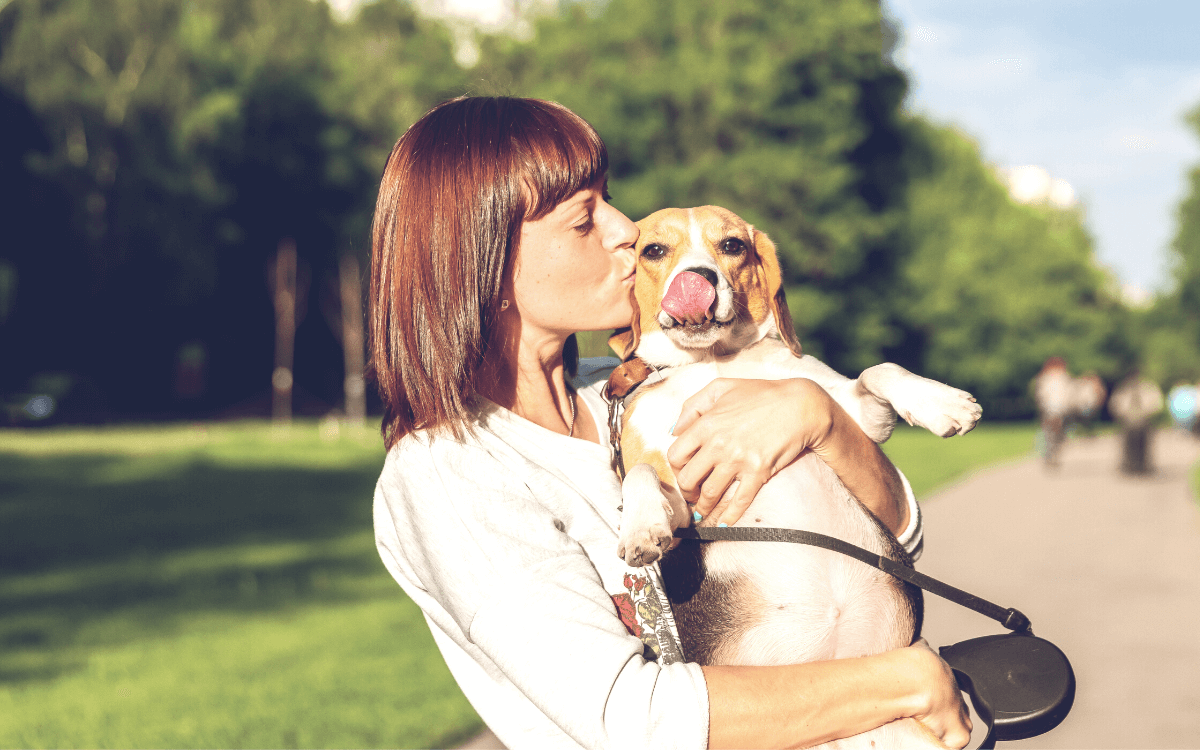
(1106, 566)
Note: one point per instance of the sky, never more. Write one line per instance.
(1092, 90)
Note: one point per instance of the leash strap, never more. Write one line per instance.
(1010, 618)
(622, 382)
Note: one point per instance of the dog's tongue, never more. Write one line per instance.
(689, 297)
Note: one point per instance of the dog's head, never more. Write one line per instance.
(707, 283)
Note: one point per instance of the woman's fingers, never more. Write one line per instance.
(748, 486)
(721, 439)
(701, 402)
(713, 488)
(680, 455)
(947, 715)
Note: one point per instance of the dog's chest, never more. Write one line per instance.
(656, 406)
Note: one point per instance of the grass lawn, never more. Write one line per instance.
(217, 585)
(207, 586)
(930, 462)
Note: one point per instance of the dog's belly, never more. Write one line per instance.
(766, 603)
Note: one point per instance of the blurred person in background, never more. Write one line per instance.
(1054, 395)
(1089, 396)
(1134, 403)
(496, 511)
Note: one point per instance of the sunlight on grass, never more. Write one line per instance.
(217, 585)
(356, 675)
(211, 585)
(931, 462)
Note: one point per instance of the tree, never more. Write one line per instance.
(995, 288)
(1171, 330)
(786, 113)
(186, 139)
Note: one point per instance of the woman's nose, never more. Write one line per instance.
(620, 233)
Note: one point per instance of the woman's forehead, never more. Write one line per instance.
(581, 199)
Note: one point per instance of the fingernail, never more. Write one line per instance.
(672, 430)
(696, 515)
(722, 526)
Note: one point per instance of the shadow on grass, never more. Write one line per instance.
(55, 511)
(103, 549)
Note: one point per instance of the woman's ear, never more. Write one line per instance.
(624, 341)
(771, 278)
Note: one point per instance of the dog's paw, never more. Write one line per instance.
(638, 547)
(939, 408)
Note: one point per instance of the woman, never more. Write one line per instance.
(497, 508)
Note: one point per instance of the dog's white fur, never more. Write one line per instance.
(792, 603)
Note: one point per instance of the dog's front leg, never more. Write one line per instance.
(652, 508)
(939, 408)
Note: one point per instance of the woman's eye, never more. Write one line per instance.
(585, 228)
(653, 251)
(733, 246)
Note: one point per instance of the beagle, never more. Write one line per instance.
(710, 303)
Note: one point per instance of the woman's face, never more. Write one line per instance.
(574, 269)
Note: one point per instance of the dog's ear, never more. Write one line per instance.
(624, 341)
(771, 279)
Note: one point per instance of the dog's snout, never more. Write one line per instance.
(707, 274)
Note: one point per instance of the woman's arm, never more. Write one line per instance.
(747, 430)
(807, 704)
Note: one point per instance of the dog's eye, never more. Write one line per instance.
(733, 246)
(653, 251)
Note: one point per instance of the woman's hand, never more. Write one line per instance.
(800, 705)
(744, 430)
(747, 430)
(943, 711)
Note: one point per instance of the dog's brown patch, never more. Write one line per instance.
(711, 614)
(633, 447)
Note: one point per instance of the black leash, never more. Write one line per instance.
(1010, 618)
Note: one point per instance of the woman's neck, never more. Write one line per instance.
(529, 380)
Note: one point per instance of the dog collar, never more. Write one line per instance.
(626, 378)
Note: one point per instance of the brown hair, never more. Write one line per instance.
(455, 190)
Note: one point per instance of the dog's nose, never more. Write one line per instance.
(707, 274)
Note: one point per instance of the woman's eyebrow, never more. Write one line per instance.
(585, 200)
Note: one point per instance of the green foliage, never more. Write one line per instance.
(189, 136)
(207, 586)
(1171, 329)
(785, 113)
(996, 287)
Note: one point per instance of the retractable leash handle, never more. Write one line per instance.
(1020, 685)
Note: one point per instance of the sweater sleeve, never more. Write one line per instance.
(488, 560)
(913, 536)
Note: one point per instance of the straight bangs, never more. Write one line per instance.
(455, 191)
(561, 155)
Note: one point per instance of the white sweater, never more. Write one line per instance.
(507, 542)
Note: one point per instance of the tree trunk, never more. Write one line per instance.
(352, 339)
(285, 330)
